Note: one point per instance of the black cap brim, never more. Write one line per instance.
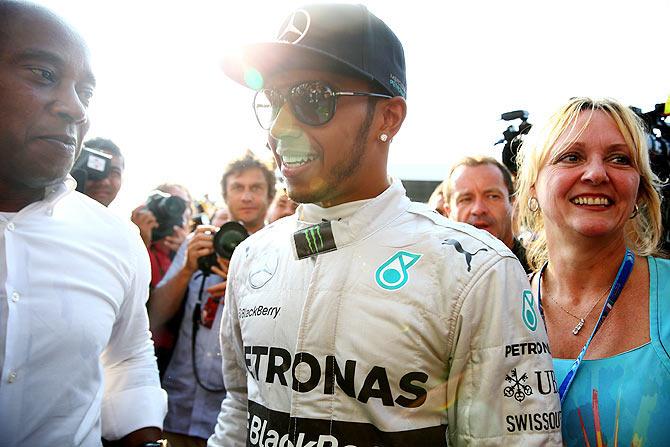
(255, 63)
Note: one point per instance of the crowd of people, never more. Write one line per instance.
(326, 309)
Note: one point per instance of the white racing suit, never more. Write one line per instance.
(413, 331)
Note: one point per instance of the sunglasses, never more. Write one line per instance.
(312, 103)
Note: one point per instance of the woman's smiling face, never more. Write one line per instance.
(590, 187)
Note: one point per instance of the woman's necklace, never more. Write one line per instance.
(580, 325)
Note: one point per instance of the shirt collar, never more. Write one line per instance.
(54, 193)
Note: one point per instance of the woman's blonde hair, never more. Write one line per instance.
(642, 233)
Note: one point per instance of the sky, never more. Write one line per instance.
(163, 98)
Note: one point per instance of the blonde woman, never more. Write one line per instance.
(587, 193)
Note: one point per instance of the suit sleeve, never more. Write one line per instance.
(133, 397)
(501, 378)
(231, 424)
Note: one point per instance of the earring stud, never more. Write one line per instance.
(383, 137)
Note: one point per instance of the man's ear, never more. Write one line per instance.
(446, 209)
(393, 112)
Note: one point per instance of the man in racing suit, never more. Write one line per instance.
(365, 319)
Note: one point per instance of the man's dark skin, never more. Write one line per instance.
(46, 83)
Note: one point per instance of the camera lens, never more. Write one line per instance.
(229, 236)
(226, 240)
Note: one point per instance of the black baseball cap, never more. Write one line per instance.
(342, 38)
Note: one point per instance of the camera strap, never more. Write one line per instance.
(194, 334)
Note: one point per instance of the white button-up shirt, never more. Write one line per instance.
(76, 357)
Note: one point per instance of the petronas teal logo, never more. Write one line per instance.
(393, 274)
(528, 310)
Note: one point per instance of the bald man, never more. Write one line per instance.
(75, 278)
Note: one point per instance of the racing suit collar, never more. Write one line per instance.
(368, 216)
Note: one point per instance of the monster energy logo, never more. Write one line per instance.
(311, 234)
(317, 239)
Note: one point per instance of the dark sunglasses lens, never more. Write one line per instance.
(313, 103)
(266, 107)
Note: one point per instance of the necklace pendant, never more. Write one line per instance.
(579, 326)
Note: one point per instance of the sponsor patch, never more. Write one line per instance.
(529, 422)
(528, 313)
(531, 348)
(459, 248)
(517, 388)
(393, 273)
(295, 27)
(314, 240)
(263, 269)
(271, 428)
(304, 372)
(258, 311)
(546, 382)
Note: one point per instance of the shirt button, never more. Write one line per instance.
(12, 377)
(10, 226)
(16, 296)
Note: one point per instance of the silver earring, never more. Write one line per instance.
(636, 210)
(533, 205)
(383, 137)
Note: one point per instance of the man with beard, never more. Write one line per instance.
(365, 319)
(479, 191)
(74, 277)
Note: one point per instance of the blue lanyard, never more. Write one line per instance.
(617, 286)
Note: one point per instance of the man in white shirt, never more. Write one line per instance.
(73, 278)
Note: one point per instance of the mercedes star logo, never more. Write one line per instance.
(295, 27)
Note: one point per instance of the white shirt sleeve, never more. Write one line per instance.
(231, 424)
(133, 398)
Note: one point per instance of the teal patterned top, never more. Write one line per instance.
(624, 400)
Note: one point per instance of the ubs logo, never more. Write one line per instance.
(295, 27)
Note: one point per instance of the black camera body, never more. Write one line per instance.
(168, 211)
(226, 240)
(91, 164)
(658, 140)
(513, 137)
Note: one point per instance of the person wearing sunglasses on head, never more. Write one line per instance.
(365, 319)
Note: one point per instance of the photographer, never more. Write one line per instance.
(146, 222)
(104, 190)
(163, 221)
(193, 378)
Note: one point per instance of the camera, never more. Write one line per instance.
(658, 140)
(226, 240)
(168, 211)
(91, 164)
(513, 137)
